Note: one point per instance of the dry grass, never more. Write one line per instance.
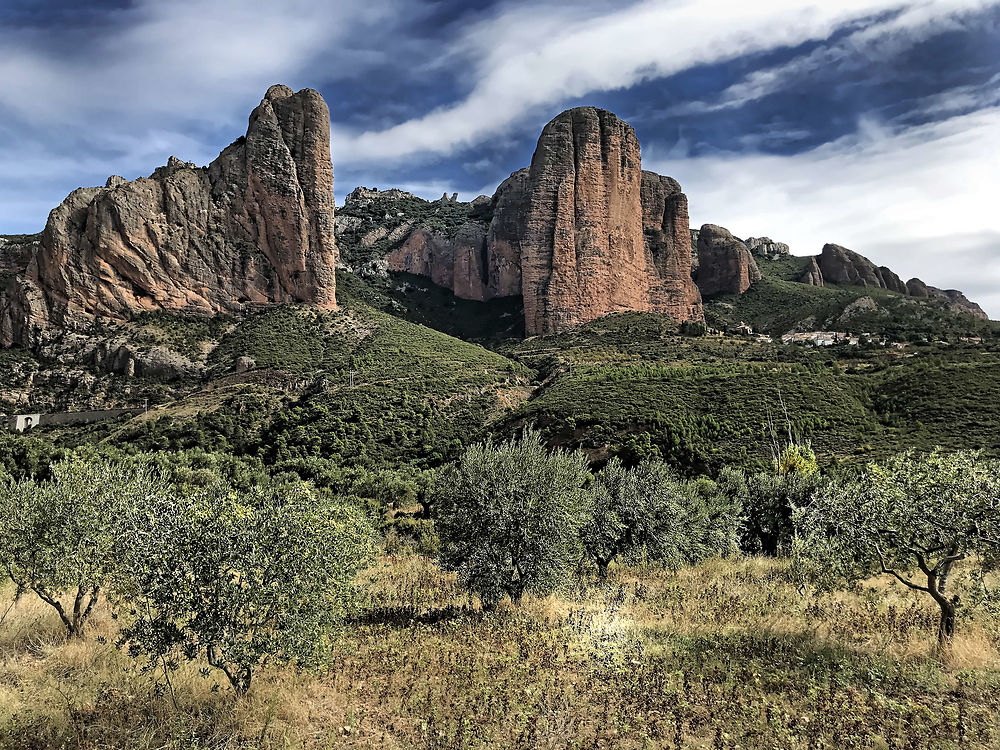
(724, 655)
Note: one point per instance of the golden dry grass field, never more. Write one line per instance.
(725, 655)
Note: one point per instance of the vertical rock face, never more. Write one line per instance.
(583, 253)
(891, 281)
(667, 233)
(581, 233)
(506, 234)
(725, 264)
(255, 226)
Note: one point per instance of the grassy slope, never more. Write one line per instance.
(707, 402)
(725, 655)
(778, 303)
(418, 395)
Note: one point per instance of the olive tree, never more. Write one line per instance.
(57, 536)
(240, 576)
(648, 511)
(509, 516)
(920, 519)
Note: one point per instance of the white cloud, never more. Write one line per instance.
(185, 59)
(524, 59)
(160, 78)
(921, 201)
(875, 41)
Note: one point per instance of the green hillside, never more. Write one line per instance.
(627, 385)
(777, 304)
(359, 387)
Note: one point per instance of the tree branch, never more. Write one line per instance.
(904, 581)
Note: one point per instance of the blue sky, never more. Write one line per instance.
(871, 123)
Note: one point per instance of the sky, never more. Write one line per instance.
(874, 124)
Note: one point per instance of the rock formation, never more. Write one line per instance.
(725, 264)
(811, 275)
(255, 226)
(583, 252)
(477, 262)
(666, 226)
(842, 266)
(766, 247)
(957, 301)
(581, 233)
(917, 288)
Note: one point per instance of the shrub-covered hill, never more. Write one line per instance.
(629, 385)
(359, 387)
(778, 304)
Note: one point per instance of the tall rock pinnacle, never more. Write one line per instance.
(255, 226)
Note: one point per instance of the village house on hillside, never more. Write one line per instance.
(824, 338)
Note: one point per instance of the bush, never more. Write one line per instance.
(57, 537)
(241, 576)
(509, 516)
(648, 512)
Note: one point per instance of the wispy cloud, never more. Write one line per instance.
(880, 40)
(920, 200)
(524, 60)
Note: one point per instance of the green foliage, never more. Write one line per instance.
(240, 576)
(776, 304)
(934, 515)
(28, 456)
(509, 515)
(57, 535)
(797, 459)
(627, 385)
(768, 501)
(189, 335)
(648, 512)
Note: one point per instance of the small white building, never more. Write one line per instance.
(22, 422)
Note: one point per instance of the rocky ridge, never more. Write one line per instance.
(255, 226)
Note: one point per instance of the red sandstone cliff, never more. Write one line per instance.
(256, 225)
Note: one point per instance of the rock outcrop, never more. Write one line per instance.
(959, 303)
(478, 261)
(811, 275)
(581, 233)
(917, 288)
(956, 301)
(255, 226)
(842, 266)
(725, 264)
(583, 252)
(766, 247)
(666, 227)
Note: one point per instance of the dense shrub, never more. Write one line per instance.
(933, 518)
(649, 512)
(509, 515)
(58, 536)
(241, 577)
